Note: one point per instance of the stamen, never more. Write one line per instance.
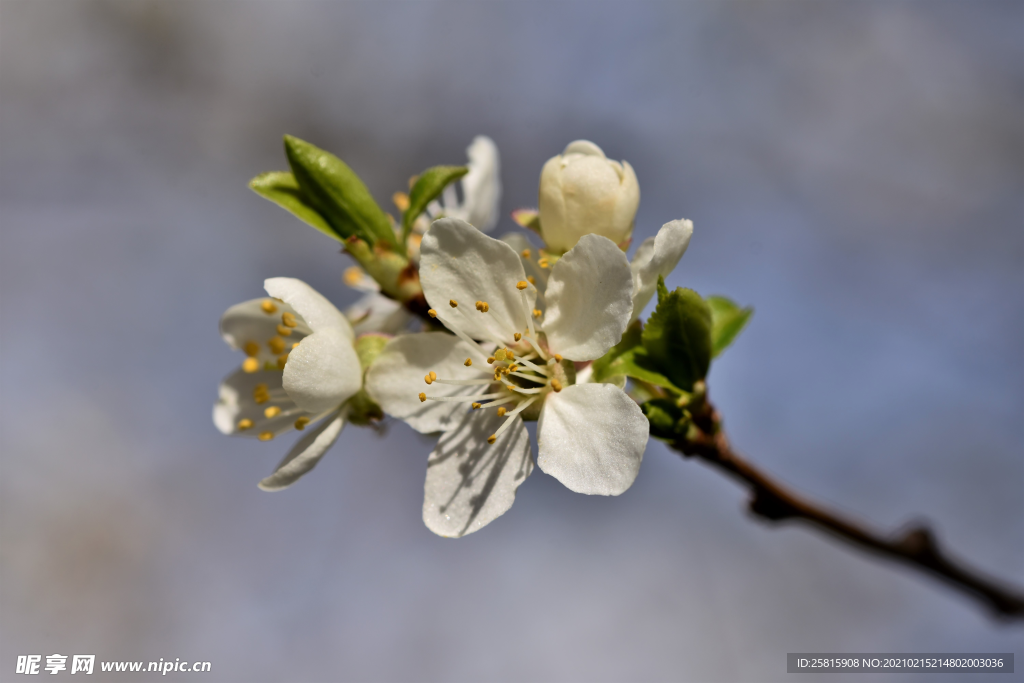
(511, 416)
(251, 348)
(464, 382)
(250, 365)
(295, 346)
(284, 330)
(502, 411)
(556, 385)
(492, 438)
(423, 397)
(469, 362)
(276, 345)
(482, 306)
(260, 393)
(427, 378)
(462, 399)
(517, 336)
(535, 368)
(520, 390)
(529, 320)
(352, 276)
(288, 319)
(266, 436)
(476, 406)
(433, 375)
(525, 253)
(453, 303)
(534, 378)
(401, 201)
(532, 280)
(543, 263)
(490, 359)
(558, 358)
(537, 313)
(272, 412)
(301, 423)
(281, 360)
(244, 423)
(522, 284)
(432, 313)
(508, 354)
(268, 307)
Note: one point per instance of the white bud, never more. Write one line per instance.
(582, 192)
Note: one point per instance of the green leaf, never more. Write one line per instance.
(528, 218)
(429, 185)
(336, 193)
(668, 421)
(629, 358)
(727, 321)
(677, 337)
(662, 289)
(281, 188)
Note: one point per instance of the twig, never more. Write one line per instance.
(916, 547)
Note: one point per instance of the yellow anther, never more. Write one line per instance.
(301, 423)
(428, 379)
(499, 354)
(250, 365)
(295, 346)
(281, 360)
(276, 345)
(484, 307)
(401, 201)
(266, 436)
(272, 411)
(453, 303)
(537, 313)
(433, 375)
(284, 330)
(508, 354)
(432, 313)
(501, 411)
(352, 276)
(556, 385)
(260, 393)
(244, 423)
(490, 359)
(423, 397)
(513, 367)
(492, 438)
(543, 263)
(517, 336)
(522, 284)
(525, 253)
(532, 280)
(469, 361)
(476, 406)
(288, 319)
(268, 307)
(251, 348)
(558, 358)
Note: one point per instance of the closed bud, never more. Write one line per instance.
(582, 192)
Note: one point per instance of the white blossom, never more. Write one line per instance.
(582, 192)
(301, 367)
(507, 359)
(481, 188)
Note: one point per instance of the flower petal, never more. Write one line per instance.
(249, 322)
(395, 379)
(323, 371)
(657, 256)
(470, 482)
(459, 263)
(379, 314)
(237, 402)
(315, 309)
(305, 454)
(591, 437)
(589, 298)
(481, 187)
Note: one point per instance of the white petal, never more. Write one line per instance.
(657, 256)
(589, 297)
(481, 187)
(470, 482)
(236, 401)
(323, 371)
(380, 314)
(460, 263)
(591, 437)
(305, 454)
(315, 309)
(395, 379)
(248, 322)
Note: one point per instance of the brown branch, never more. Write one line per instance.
(916, 547)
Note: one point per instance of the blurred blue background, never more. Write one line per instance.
(853, 170)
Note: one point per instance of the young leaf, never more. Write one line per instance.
(677, 337)
(629, 358)
(527, 218)
(337, 193)
(727, 321)
(429, 185)
(281, 188)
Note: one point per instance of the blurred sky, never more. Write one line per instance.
(854, 170)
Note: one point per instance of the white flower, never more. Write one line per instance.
(374, 312)
(583, 192)
(503, 362)
(301, 367)
(658, 256)
(481, 188)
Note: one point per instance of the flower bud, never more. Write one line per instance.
(582, 192)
